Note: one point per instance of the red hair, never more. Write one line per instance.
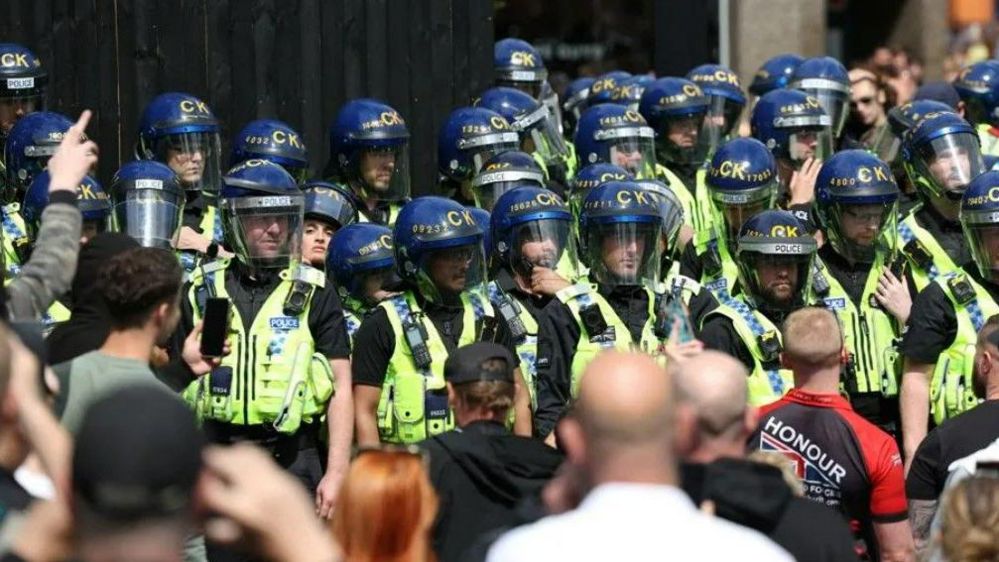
(386, 509)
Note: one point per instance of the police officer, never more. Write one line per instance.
(369, 151)
(573, 103)
(273, 140)
(774, 73)
(941, 156)
(147, 203)
(469, 138)
(978, 86)
(289, 347)
(726, 101)
(860, 277)
(621, 304)
(629, 91)
(23, 82)
(537, 128)
(939, 345)
(503, 172)
(181, 131)
(29, 145)
(519, 65)
(676, 109)
(616, 135)
(590, 177)
(402, 345)
(531, 235)
(798, 132)
(742, 182)
(328, 208)
(361, 262)
(827, 80)
(774, 255)
(602, 90)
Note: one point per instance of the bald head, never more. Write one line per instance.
(625, 401)
(812, 337)
(714, 385)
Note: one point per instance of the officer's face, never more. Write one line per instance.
(778, 278)
(861, 223)
(628, 155)
(623, 256)
(12, 109)
(316, 241)
(539, 250)
(951, 167)
(990, 243)
(865, 108)
(189, 165)
(372, 285)
(266, 235)
(804, 145)
(449, 268)
(683, 132)
(89, 230)
(377, 167)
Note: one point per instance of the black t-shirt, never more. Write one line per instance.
(947, 233)
(719, 334)
(690, 263)
(933, 323)
(953, 440)
(375, 341)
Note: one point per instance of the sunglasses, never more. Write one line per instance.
(866, 100)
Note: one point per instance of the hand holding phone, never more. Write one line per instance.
(215, 327)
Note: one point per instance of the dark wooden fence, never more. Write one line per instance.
(295, 60)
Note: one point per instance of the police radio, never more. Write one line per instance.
(416, 338)
(508, 310)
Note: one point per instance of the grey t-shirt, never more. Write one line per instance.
(91, 376)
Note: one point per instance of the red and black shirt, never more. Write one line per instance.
(843, 460)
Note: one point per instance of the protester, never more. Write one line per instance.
(970, 530)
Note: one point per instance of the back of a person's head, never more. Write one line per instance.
(386, 509)
(95, 253)
(494, 396)
(134, 283)
(812, 338)
(970, 521)
(712, 385)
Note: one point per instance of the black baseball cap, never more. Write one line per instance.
(137, 455)
(478, 362)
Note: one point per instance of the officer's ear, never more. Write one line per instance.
(452, 396)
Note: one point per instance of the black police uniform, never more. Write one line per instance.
(947, 233)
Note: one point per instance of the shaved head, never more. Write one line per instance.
(714, 385)
(812, 337)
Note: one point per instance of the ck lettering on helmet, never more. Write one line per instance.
(194, 106)
(14, 59)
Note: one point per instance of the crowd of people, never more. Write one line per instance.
(643, 314)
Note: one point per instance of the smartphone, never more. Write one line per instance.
(215, 327)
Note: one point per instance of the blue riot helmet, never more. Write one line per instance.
(482, 218)
(980, 223)
(603, 88)
(590, 177)
(438, 248)
(573, 103)
(629, 91)
(532, 226)
(91, 199)
(671, 213)
(725, 99)
(147, 203)
(23, 81)
(978, 86)
(530, 119)
(856, 204)
(793, 125)
(675, 108)
(519, 65)
(620, 228)
(941, 156)
(369, 150)
(742, 182)
(329, 202)
(361, 260)
(616, 135)
(775, 73)
(503, 172)
(30, 143)
(825, 79)
(182, 132)
(900, 119)
(262, 214)
(469, 138)
(774, 256)
(270, 139)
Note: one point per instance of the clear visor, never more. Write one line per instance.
(684, 139)
(949, 163)
(540, 133)
(266, 232)
(383, 173)
(859, 232)
(810, 142)
(550, 100)
(150, 216)
(195, 158)
(734, 215)
(835, 102)
(544, 243)
(444, 274)
(370, 286)
(776, 281)
(723, 115)
(483, 152)
(528, 82)
(624, 253)
(487, 194)
(983, 240)
(37, 158)
(635, 154)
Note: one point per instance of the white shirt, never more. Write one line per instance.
(635, 522)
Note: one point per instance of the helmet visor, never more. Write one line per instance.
(723, 114)
(541, 130)
(265, 231)
(684, 139)
(481, 150)
(834, 99)
(370, 286)
(486, 193)
(195, 158)
(528, 82)
(859, 232)
(544, 243)
(776, 281)
(447, 272)
(809, 142)
(550, 100)
(635, 154)
(948, 163)
(383, 172)
(624, 253)
(150, 216)
(734, 215)
(983, 240)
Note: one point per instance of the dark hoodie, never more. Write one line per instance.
(481, 474)
(755, 495)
